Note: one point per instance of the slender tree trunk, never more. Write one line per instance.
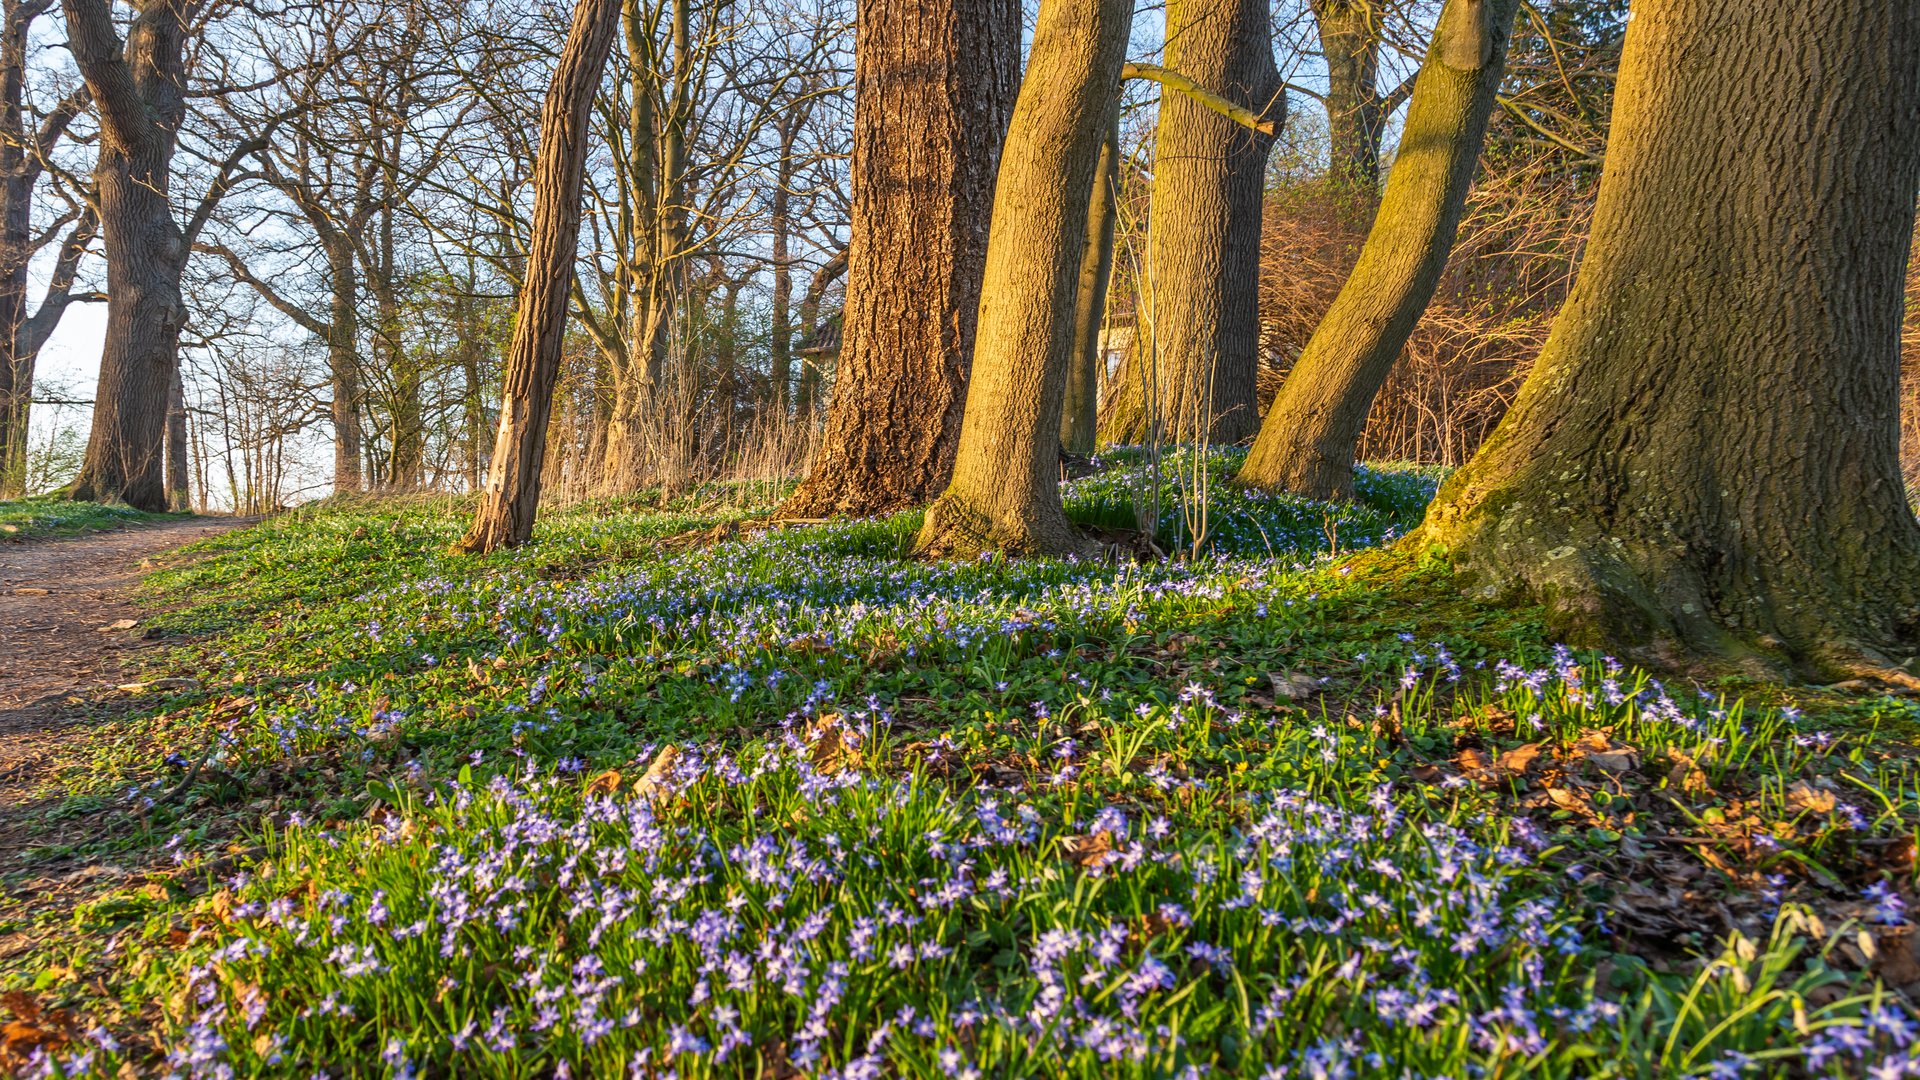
(1356, 114)
(178, 496)
(1005, 492)
(512, 495)
(343, 365)
(1080, 416)
(16, 251)
(934, 86)
(1704, 459)
(1201, 296)
(1306, 444)
(808, 399)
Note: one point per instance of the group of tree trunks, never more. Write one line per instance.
(1703, 461)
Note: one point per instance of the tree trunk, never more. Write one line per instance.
(808, 399)
(343, 364)
(512, 495)
(140, 103)
(1201, 298)
(934, 85)
(178, 497)
(1704, 459)
(1080, 416)
(1356, 113)
(1307, 441)
(1005, 492)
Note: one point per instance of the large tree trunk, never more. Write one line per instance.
(934, 83)
(1080, 415)
(1307, 441)
(139, 97)
(1704, 457)
(1200, 301)
(1005, 492)
(512, 493)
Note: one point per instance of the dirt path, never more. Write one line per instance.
(55, 597)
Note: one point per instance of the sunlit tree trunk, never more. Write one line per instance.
(1200, 296)
(934, 84)
(512, 494)
(1005, 492)
(1307, 441)
(139, 94)
(1704, 458)
(1080, 416)
(178, 497)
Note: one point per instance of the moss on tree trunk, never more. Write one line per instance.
(1704, 460)
(1005, 492)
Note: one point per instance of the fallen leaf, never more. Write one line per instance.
(1089, 852)
(1292, 685)
(119, 624)
(656, 773)
(1515, 761)
(606, 782)
(1804, 796)
(29, 591)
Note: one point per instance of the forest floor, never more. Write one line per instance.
(673, 791)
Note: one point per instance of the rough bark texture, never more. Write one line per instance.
(512, 494)
(1704, 457)
(138, 93)
(1307, 440)
(1080, 416)
(934, 84)
(1005, 492)
(1201, 324)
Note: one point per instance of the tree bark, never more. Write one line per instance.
(934, 85)
(512, 494)
(1005, 492)
(178, 496)
(808, 398)
(1306, 444)
(1201, 298)
(1080, 416)
(139, 96)
(1349, 33)
(1704, 459)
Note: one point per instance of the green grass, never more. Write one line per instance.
(51, 515)
(1266, 812)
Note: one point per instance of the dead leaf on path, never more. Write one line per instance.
(28, 591)
(119, 624)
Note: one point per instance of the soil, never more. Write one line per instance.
(59, 653)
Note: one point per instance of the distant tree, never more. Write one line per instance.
(934, 85)
(1080, 415)
(1704, 458)
(512, 494)
(1306, 443)
(1200, 327)
(1005, 492)
(27, 140)
(1351, 33)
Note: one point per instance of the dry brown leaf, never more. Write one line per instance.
(656, 774)
(831, 750)
(1515, 761)
(1804, 796)
(604, 783)
(1089, 852)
